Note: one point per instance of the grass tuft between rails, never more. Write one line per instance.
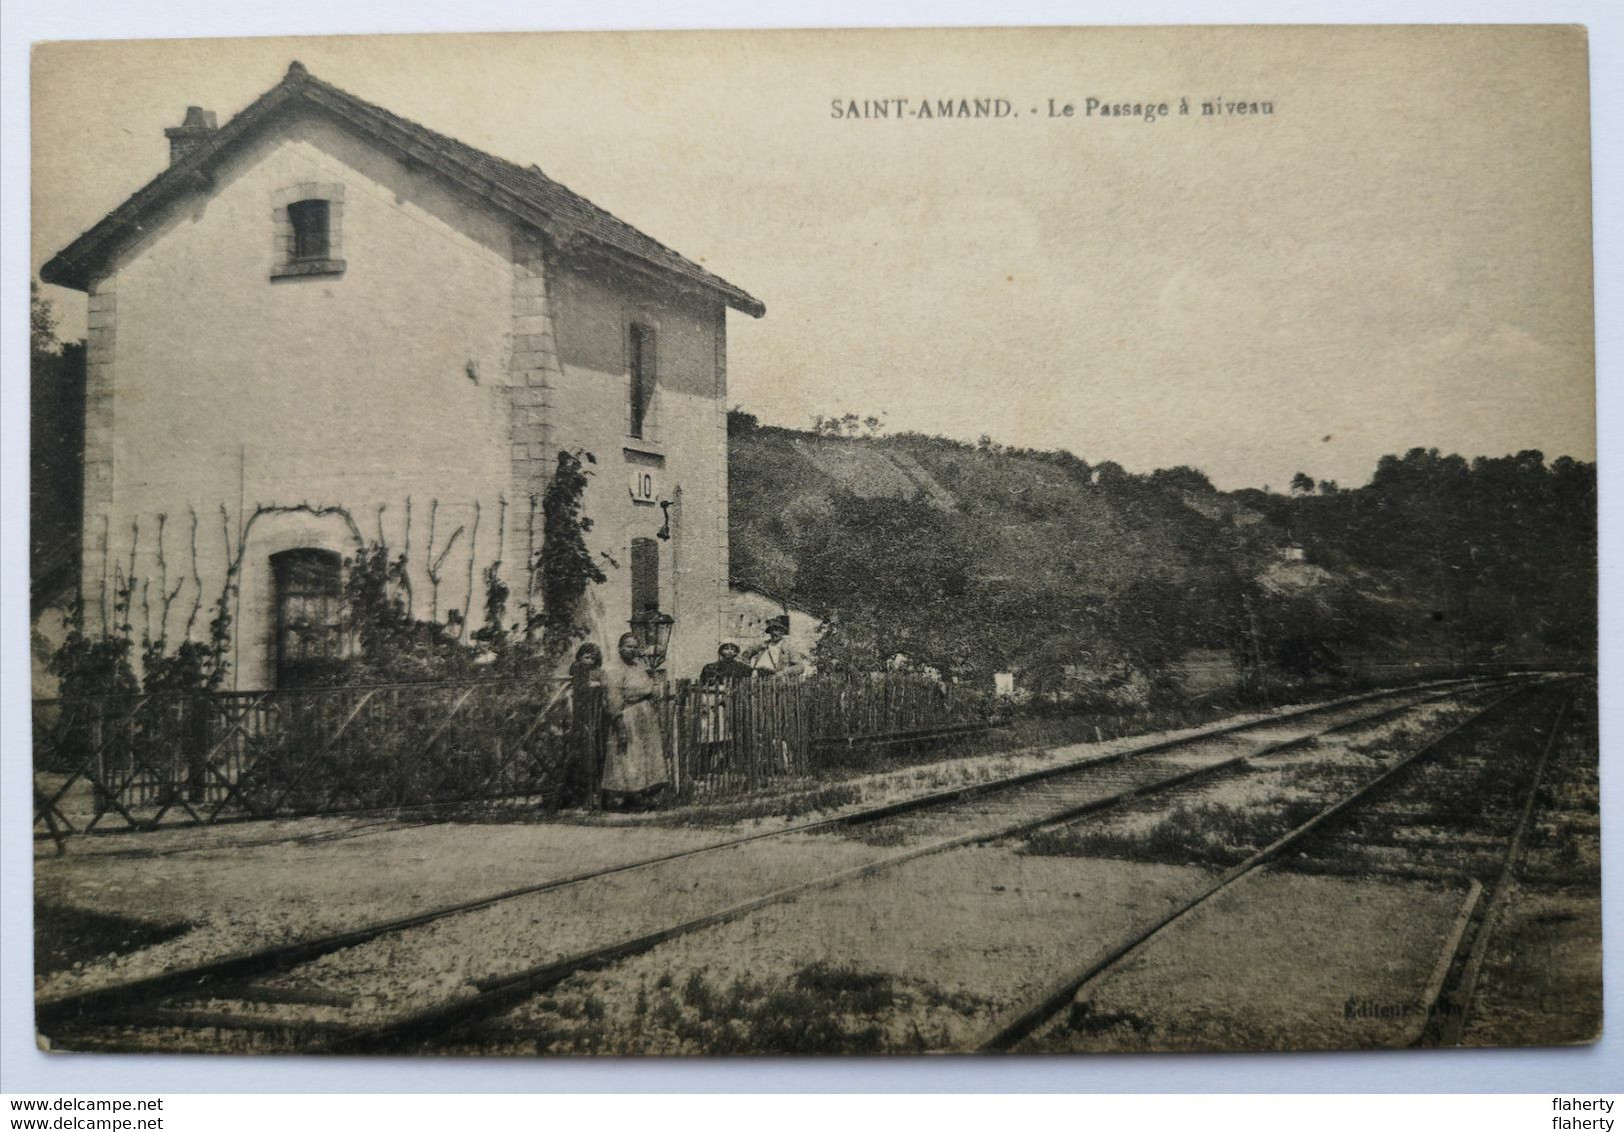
(820, 1008)
(1205, 833)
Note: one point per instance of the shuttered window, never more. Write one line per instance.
(645, 575)
(643, 376)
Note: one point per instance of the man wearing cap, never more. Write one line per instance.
(777, 656)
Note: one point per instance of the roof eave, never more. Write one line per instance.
(749, 305)
(726, 293)
(59, 272)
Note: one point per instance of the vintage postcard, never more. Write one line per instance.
(873, 542)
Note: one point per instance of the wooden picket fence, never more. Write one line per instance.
(734, 739)
(141, 762)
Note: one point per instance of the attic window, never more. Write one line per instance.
(310, 229)
(309, 218)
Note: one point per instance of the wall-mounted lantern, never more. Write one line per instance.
(653, 632)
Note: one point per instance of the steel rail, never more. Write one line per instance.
(1065, 991)
(1446, 1029)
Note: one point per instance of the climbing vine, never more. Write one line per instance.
(564, 567)
(149, 640)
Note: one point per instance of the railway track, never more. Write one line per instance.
(1445, 781)
(314, 994)
(1445, 1027)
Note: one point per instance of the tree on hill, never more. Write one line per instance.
(1182, 478)
(1307, 619)
(1110, 473)
(895, 566)
(741, 423)
(1490, 555)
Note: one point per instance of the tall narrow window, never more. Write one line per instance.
(645, 575)
(310, 220)
(643, 376)
(309, 615)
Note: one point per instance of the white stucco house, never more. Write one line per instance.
(323, 325)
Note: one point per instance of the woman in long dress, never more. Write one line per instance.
(634, 774)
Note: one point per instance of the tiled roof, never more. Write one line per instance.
(527, 193)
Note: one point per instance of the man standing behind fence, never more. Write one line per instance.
(778, 659)
(716, 680)
(777, 656)
(726, 669)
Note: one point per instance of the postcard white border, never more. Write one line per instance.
(23, 1069)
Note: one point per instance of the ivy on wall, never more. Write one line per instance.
(564, 566)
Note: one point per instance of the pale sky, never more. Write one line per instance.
(1399, 255)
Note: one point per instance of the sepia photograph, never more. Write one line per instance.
(829, 542)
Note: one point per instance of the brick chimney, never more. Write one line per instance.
(191, 133)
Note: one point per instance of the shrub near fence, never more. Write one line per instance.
(731, 740)
(143, 760)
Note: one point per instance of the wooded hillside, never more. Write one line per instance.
(980, 558)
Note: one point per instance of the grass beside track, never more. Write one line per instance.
(66, 937)
(820, 1008)
(1204, 833)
